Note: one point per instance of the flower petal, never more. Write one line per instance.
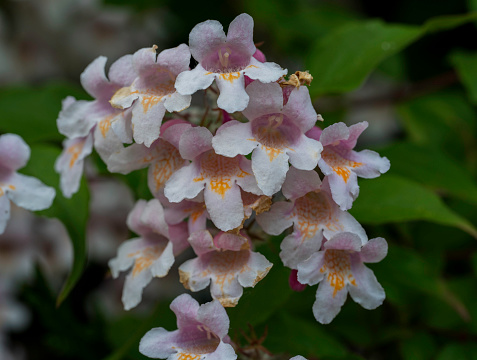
(74, 119)
(202, 242)
(265, 99)
(188, 82)
(258, 268)
(94, 81)
(300, 109)
(327, 306)
(240, 33)
(266, 72)
(234, 138)
(367, 292)
(269, 172)
(147, 122)
(158, 343)
(300, 182)
(195, 141)
(275, 221)
(306, 153)
(309, 270)
(193, 274)
(226, 211)
(180, 187)
(374, 250)
(122, 71)
(344, 241)
(223, 352)
(186, 309)
(176, 60)
(29, 192)
(133, 287)
(14, 152)
(334, 133)
(214, 316)
(177, 102)
(295, 248)
(205, 37)
(372, 166)
(233, 96)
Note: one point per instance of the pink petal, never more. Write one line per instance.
(14, 152)
(367, 292)
(157, 343)
(327, 306)
(300, 182)
(265, 99)
(309, 270)
(246, 180)
(334, 133)
(314, 133)
(153, 218)
(374, 250)
(144, 61)
(176, 59)
(240, 33)
(223, 352)
(202, 242)
(275, 221)
(134, 218)
(258, 268)
(214, 316)
(228, 241)
(106, 142)
(172, 130)
(300, 108)
(193, 274)
(234, 138)
(186, 309)
(205, 37)
(74, 119)
(344, 241)
(194, 142)
(177, 102)
(372, 166)
(94, 81)
(354, 133)
(296, 248)
(122, 71)
(295, 285)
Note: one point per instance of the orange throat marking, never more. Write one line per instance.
(146, 257)
(337, 264)
(340, 165)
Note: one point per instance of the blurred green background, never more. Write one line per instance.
(407, 67)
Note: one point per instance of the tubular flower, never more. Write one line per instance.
(162, 157)
(80, 117)
(194, 210)
(343, 165)
(226, 262)
(226, 59)
(313, 213)
(200, 335)
(154, 90)
(275, 134)
(220, 178)
(339, 269)
(150, 255)
(25, 191)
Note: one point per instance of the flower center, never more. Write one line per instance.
(314, 212)
(226, 60)
(339, 164)
(337, 264)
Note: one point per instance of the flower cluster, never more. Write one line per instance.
(264, 142)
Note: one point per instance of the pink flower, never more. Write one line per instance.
(313, 214)
(162, 157)
(153, 92)
(87, 122)
(342, 165)
(226, 262)
(25, 191)
(219, 178)
(226, 59)
(339, 269)
(194, 210)
(275, 134)
(200, 335)
(150, 255)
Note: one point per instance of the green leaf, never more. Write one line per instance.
(341, 60)
(32, 111)
(466, 66)
(73, 213)
(432, 168)
(395, 199)
(294, 335)
(441, 120)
